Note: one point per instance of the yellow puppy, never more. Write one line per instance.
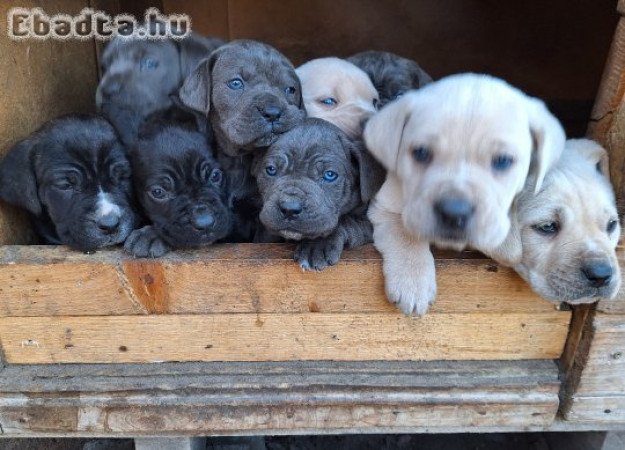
(339, 92)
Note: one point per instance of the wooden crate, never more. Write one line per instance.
(236, 338)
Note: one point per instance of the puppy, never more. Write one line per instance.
(457, 152)
(181, 189)
(391, 74)
(250, 94)
(140, 76)
(315, 185)
(73, 177)
(339, 92)
(563, 238)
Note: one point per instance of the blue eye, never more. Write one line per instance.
(547, 228)
(330, 175)
(501, 163)
(422, 155)
(216, 176)
(290, 90)
(330, 101)
(235, 84)
(149, 64)
(271, 171)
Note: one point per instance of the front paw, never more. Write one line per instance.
(413, 295)
(145, 243)
(319, 254)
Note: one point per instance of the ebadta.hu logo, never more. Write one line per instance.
(34, 23)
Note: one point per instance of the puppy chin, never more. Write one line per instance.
(297, 230)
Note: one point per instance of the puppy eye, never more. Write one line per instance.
(216, 176)
(235, 84)
(547, 228)
(397, 95)
(329, 101)
(330, 175)
(149, 64)
(271, 171)
(422, 155)
(501, 163)
(611, 225)
(158, 193)
(64, 185)
(290, 90)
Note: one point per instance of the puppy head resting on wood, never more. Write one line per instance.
(315, 184)
(139, 77)
(458, 151)
(563, 237)
(73, 177)
(250, 94)
(392, 75)
(339, 92)
(182, 191)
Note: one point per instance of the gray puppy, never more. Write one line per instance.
(140, 76)
(315, 185)
(392, 75)
(250, 94)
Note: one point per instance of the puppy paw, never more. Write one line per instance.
(319, 254)
(412, 295)
(145, 243)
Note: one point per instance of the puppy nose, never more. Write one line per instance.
(454, 212)
(598, 274)
(108, 223)
(271, 113)
(202, 219)
(290, 208)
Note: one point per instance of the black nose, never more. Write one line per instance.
(290, 208)
(454, 212)
(108, 223)
(598, 274)
(202, 219)
(271, 113)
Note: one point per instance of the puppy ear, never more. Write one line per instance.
(549, 138)
(370, 173)
(18, 183)
(384, 131)
(510, 252)
(195, 91)
(592, 152)
(193, 49)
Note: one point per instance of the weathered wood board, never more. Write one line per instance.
(253, 303)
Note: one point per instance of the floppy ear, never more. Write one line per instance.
(548, 137)
(370, 173)
(195, 91)
(384, 131)
(510, 252)
(193, 49)
(18, 182)
(592, 152)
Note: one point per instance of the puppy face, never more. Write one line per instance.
(308, 179)
(250, 93)
(181, 187)
(392, 75)
(569, 230)
(462, 148)
(339, 92)
(73, 172)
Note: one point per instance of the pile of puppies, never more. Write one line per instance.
(199, 141)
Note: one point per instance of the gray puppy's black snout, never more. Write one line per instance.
(290, 207)
(108, 223)
(201, 218)
(454, 213)
(271, 113)
(598, 274)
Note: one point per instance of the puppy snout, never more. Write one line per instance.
(271, 112)
(108, 223)
(290, 207)
(112, 87)
(202, 219)
(454, 213)
(598, 273)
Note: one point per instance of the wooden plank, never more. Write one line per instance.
(208, 17)
(602, 410)
(53, 281)
(282, 337)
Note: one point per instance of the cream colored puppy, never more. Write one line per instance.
(563, 239)
(457, 152)
(339, 92)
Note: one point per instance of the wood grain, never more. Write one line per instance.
(282, 337)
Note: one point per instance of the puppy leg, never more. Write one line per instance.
(352, 231)
(146, 243)
(408, 264)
